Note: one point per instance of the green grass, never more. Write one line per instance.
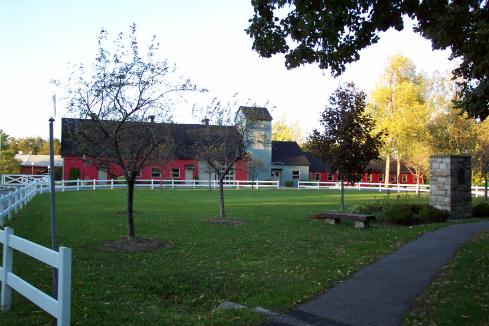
(460, 296)
(277, 259)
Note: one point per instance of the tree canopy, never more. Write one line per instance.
(347, 140)
(287, 131)
(331, 34)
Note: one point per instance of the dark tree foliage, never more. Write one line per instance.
(346, 141)
(331, 33)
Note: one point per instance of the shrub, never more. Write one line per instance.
(289, 183)
(481, 210)
(400, 214)
(430, 214)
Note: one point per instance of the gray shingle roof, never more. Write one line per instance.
(184, 137)
(256, 113)
(288, 153)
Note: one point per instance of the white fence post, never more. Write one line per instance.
(152, 185)
(77, 184)
(237, 184)
(172, 184)
(93, 184)
(111, 184)
(64, 287)
(8, 255)
(194, 184)
(62, 186)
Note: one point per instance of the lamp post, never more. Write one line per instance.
(32, 168)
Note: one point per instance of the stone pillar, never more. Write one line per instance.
(450, 184)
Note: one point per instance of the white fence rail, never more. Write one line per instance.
(163, 184)
(13, 180)
(12, 201)
(59, 307)
(397, 187)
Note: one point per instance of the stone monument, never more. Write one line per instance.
(450, 184)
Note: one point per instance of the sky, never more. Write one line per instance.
(41, 40)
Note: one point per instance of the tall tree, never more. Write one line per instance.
(29, 145)
(452, 132)
(347, 140)
(398, 105)
(287, 131)
(331, 34)
(8, 163)
(120, 97)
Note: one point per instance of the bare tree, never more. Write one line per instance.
(221, 141)
(118, 100)
(255, 167)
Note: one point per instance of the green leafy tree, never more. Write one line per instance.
(331, 34)
(481, 155)
(452, 132)
(347, 140)
(29, 145)
(8, 163)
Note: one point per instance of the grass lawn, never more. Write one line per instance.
(460, 296)
(278, 258)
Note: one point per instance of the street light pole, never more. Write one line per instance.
(54, 242)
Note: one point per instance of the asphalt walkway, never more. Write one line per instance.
(382, 293)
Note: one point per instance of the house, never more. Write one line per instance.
(374, 173)
(37, 164)
(265, 159)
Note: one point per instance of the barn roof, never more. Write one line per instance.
(378, 166)
(316, 164)
(288, 153)
(184, 137)
(38, 160)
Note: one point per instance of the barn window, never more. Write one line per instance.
(330, 176)
(369, 177)
(393, 178)
(381, 177)
(296, 174)
(404, 177)
(317, 176)
(155, 172)
(175, 173)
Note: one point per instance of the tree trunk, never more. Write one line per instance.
(387, 171)
(342, 195)
(485, 187)
(417, 183)
(131, 233)
(398, 173)
(221, 198)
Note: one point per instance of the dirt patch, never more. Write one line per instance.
(136, 245)
(218, 220)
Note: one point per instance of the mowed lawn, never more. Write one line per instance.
(278, 258)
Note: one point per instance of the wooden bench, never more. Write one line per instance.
(361, 220)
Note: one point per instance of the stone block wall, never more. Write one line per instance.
(450, 184)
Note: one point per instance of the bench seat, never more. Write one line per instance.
(361, 220)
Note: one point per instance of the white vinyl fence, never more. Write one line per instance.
(59, 307)
(163, 184)
(397, 187)
(18, 196)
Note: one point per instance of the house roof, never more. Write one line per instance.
(184, 138)
(288, 153)
(316, 164)
(38, 160)
(379, 167)
(255, 113)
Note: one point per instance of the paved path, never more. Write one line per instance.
(382, 293)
